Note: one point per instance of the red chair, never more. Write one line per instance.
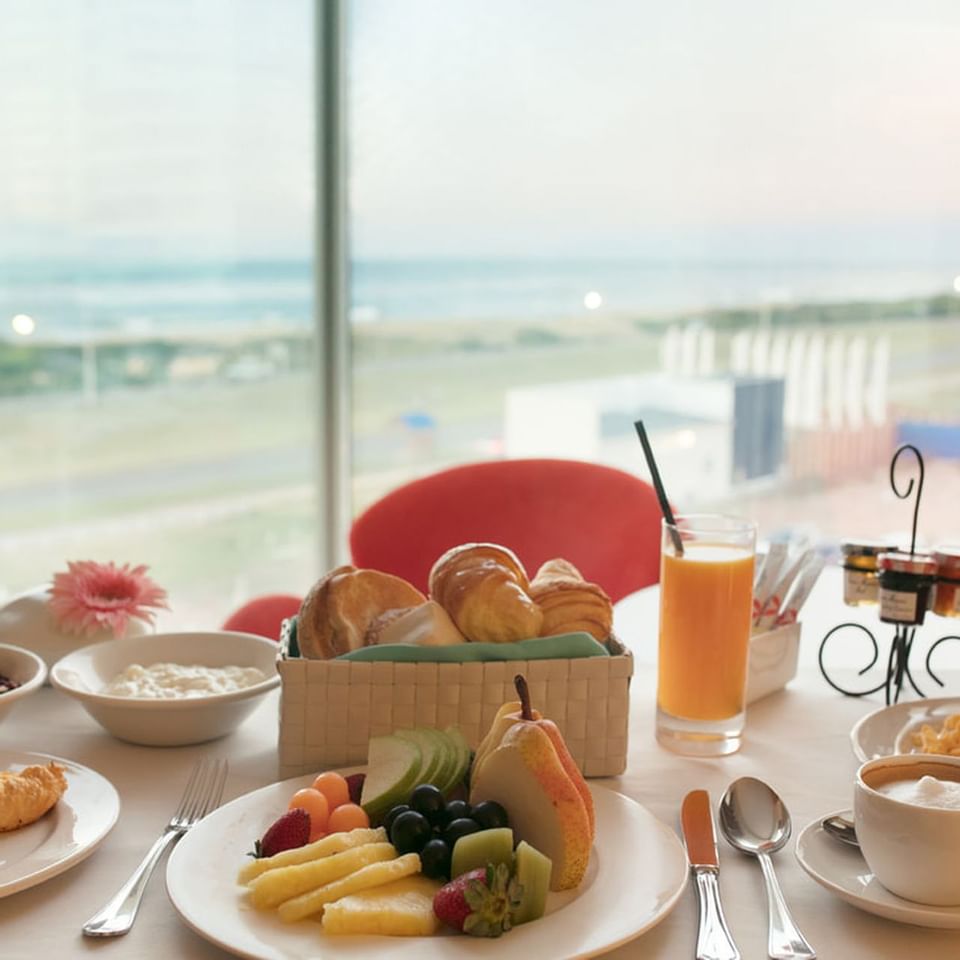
(603, 520)
(263, 615)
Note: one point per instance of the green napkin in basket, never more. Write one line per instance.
(539, 648)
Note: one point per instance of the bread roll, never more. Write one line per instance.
(484, 587)
(339, 609)
(427, 625)
(569, 603)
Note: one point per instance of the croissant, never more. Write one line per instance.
(339, 609)
(484, 588)
(26, 796)
(569, 603)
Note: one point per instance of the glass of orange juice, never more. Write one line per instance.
(706, 608)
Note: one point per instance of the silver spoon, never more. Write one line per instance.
(840, 828)
(755, 821)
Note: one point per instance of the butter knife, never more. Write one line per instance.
(714, 941)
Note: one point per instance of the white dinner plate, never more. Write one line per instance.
(71, 831)
(887, 730)
(842, 870)
(638, 871)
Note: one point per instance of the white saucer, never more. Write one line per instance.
(843, 871)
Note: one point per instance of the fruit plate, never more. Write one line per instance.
(616, 902)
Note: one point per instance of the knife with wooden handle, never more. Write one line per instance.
(714, 941)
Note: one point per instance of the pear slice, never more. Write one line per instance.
(525, 775)
(506, 717)
(393, 765)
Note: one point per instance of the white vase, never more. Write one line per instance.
(27, 621)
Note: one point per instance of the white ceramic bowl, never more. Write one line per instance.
(25, 668)
(913, 850)
(84, 673)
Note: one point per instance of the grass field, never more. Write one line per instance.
(211, 482)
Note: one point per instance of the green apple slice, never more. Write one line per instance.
(533, 875)
(461, 751)
(393, 765)
(433, 752)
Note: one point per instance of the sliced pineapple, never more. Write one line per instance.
(325, 847)
(374, 875)
(285, 883)
(403, 908)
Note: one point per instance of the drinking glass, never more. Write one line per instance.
(706, 609)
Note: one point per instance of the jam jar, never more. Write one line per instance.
(861, 585)
(947, 602)
(906, 586)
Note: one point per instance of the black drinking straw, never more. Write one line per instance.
(658, 486)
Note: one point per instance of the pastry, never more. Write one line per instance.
(339, 609)
(569, 603)
(427, 625)
(484, 588)
(26, 796)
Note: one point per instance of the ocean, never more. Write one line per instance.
(78, 299)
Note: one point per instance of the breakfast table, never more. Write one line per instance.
(796, 739)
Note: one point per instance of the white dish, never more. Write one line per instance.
(843, 871)
(621, 897)
(84, 673)
(25, 668)
(887, 731)
(69, 833)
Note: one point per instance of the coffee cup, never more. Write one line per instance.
(907, 814)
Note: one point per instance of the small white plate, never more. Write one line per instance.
(887, 731)
(842, 870)
(638, 872)
(63, 837)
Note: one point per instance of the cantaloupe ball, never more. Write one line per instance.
(348, 816)
(317, 806)
(334, 787)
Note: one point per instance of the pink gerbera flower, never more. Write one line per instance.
(90, 596)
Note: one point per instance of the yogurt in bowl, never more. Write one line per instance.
(907, 815)
(170, 689)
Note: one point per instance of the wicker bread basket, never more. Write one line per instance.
(329, 709)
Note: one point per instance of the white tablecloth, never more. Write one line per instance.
(797, 740)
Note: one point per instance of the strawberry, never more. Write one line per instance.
(291, 830)
(480, 902)
(355, 785)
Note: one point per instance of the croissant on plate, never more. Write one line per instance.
(340, 608)
(485, 590)
(26, 796)
(569, 603)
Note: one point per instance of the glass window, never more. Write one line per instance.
(156, 330)
(740, 221)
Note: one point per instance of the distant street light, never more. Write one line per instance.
(23, 324)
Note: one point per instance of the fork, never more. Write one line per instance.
(201, 795)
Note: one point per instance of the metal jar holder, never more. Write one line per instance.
(901, 646)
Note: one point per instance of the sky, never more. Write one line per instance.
(690, 129)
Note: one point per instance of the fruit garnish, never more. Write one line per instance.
(334, 787)
(355, 785)
(481, 902)
(479, 849)
(348, 816)
(489, 814)
(435, 859)
(410, 832)
(290, 831)
(316, 805)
